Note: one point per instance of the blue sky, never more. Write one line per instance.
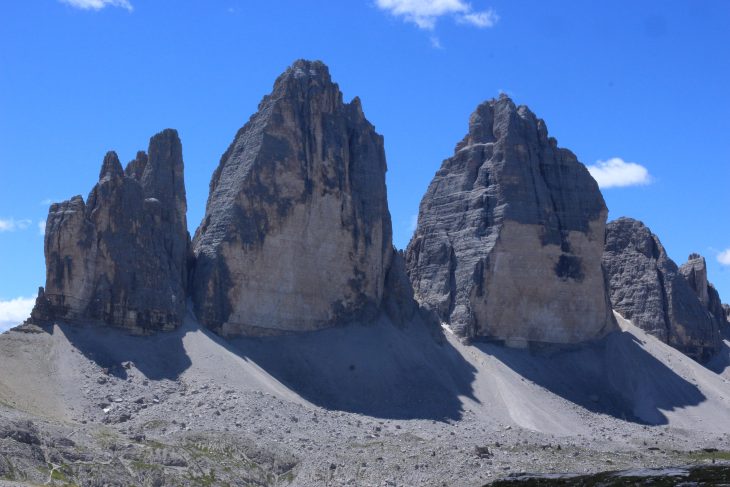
(619, 82)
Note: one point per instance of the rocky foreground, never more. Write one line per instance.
(84, 406)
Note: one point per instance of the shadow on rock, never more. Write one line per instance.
(719, 362)
(378, 369)
(614, 376)
(158, 356)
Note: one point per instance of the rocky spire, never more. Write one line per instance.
(695, 271)
(647, 288)
(297, 233)
(111, 168)
(510, 235)
(121, 257)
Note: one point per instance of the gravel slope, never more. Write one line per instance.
(358, 405)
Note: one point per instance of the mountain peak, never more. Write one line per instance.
(111, 167)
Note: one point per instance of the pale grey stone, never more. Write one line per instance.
(510, 236)
(297, 233)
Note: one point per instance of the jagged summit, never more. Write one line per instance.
(304, 72)
(297, 232)
(647, 287)
(120, 258)
(695, 272)
(111, 167)
(496, 118)
(510, 235)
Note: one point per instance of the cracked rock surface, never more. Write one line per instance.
(297, 233)
(120, 258)
(648, 288)
(510, 236)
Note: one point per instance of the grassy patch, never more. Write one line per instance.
(140, 465)
(710, 455)
(205, 480)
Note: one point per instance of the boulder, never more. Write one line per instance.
(296, 235)
(647, 288)
(510, 235)
(121, 257)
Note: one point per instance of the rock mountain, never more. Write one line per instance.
(510, 236)
(121, 257)
(695, 271)
(297, 233)
(297, 237)
(647, 287)
(512, 247)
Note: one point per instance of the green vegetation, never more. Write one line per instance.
(710, 455)
(206, 480)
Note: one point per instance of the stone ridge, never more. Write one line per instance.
(510, 235)
(297, 233)
(647, 288)
(121, 257)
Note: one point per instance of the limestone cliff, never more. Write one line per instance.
(695, 271)
(297, 233)
(647, 288)
(121, 257)
(510, 236)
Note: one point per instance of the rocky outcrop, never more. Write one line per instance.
(121, 257)
(297, 233)
(695, 271)
(647, 288)
(510, 236)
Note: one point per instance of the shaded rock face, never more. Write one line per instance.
(297, 233)
(510, 236)
(121, 257)
(695, 271)
(647, 288)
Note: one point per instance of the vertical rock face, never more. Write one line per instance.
(510, 236)
(695, 271)
(647, 288)
(297, 233)
(121, 257)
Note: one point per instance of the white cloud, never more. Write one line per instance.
(436, 43)
(616, 172)
(42, 227)
(724, 257)
(14, 312)
(480, 19)
(425, 13)
(11, 224)
(98, 4)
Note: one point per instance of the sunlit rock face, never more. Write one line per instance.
(297, 233)
(121, 257)
(647, 287)
(510, 236)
